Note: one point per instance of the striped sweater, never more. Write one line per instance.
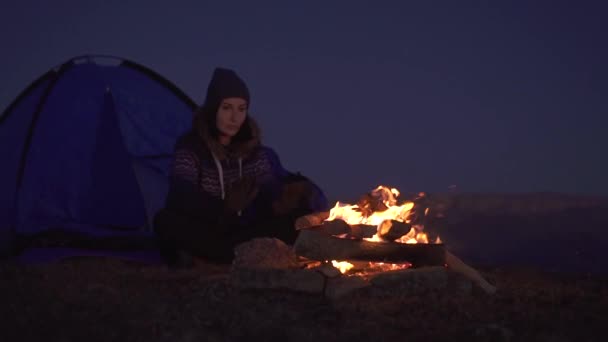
(195, 186)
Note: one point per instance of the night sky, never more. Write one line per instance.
(490, 96)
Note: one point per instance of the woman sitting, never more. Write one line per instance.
(225, 186)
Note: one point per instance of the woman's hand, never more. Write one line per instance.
(293, 196)
(240, 194)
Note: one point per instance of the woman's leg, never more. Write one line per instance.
(280, 227)
(180, 233)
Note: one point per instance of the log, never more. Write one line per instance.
(458, 266)
(338, 227)
(317, 245)
(391, 230)
(361, 231)
(335, 227)
(368, 204)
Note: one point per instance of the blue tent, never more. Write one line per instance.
(86, 148)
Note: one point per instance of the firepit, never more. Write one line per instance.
(377, 241)
(377, 229)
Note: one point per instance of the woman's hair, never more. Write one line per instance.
(204, 124)
(225, 83)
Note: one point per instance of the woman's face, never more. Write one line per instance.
(230, 116)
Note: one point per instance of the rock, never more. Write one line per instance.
(458, 284)
(264, 253)
(493, 332)
(341, 286)
(304, 280)
(327, 270)
(411, 280)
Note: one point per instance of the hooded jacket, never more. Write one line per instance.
(203, 169)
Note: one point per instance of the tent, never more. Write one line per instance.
(86, 149)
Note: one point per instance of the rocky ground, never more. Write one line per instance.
(96, 299)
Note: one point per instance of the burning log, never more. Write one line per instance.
(335, 227)
(391, 230)
(338, 227)
(362, 231)
(317, 245)
(418, 215)
(368, 204)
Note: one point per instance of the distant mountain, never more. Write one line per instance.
(512, 203)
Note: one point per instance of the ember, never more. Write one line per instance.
(367, 268)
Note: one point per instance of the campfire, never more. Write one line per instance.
(389, 221)
(379, 241)
(378, 233)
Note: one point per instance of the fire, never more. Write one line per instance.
(370, 267)
(353, 215)
(389, 267)
(343, 266)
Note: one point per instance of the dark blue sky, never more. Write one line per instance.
(420, 95)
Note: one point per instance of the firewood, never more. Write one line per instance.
(320, 246)
(368, 204)
(457, 265)
(361, 231)
(338, 227)
(391, 230)
(418, 214)
(335, 227)
(311, 220)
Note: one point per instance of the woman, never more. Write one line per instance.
(225, 186)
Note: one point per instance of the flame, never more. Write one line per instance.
(352, 215)
(389, 267)
(343, 266)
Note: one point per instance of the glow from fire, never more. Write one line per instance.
(371, 267)
(353, 215)
(389, 267)
(343, 266)
(350, 215)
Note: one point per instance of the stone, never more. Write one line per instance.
(341, 286)
(301, 280)
(264, 253)
(411, 280)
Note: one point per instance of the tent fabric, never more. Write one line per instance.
(87, 148)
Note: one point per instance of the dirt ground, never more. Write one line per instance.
(95, 299)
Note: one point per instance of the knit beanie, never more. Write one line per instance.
(224, 84)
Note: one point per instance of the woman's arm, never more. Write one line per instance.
(296, 192)
(186, 196)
